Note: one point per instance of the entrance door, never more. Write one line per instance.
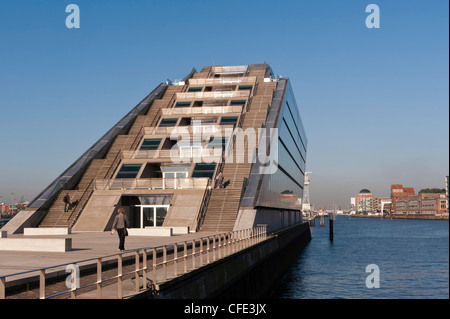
(147, 217)
(161, 213)
(153, 215)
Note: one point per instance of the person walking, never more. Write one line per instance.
(120, 225)
(220, 179)
(66, 201)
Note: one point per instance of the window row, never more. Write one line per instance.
(152, 144)
(220, 88)
(186, 121)
(211, 103)
(156, 170)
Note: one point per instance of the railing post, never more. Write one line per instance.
(42, 284)
(193, 254)
(164, 263)
(185, 256)
(201, 251)
(119, 276)
(144, 268)
(136, 272)
(154, 264)
(207, 250)
(225, 246)
(214, 247)
(232, 242)
(2, 288)
(175, 257)
(239, 234)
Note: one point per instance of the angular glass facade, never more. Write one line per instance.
(284, 188)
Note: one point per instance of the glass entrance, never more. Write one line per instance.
(153, 215)
(161, 213)
(148, 216)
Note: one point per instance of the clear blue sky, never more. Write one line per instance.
(374, 102)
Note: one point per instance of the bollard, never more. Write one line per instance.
(330, 218)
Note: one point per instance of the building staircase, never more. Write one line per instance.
(103, 168)
(224, 203)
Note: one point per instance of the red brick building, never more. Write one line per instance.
(405, 201)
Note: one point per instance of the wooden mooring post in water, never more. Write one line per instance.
(330, 220)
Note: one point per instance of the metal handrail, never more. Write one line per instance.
(212, 95)
(151, 183)
(217, 246)
(211, 81)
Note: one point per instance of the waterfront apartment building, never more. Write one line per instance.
(382, 204)
(364, 202)
(161, 161)
(425, 204)
(405, 201)
(400, 192)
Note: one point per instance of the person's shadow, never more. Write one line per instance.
(226, 183)
(73, 205)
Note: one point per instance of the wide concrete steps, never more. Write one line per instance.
(56, 217)
(222, 210)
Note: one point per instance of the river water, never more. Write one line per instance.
(411, 259)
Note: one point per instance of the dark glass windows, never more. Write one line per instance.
(245, 87)
(129, 171)
(150, 144)
(228, 120)
(237, 102)
(183, 104)
(204, 170)
(168, 122)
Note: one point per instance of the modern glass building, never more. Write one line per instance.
(161, 161)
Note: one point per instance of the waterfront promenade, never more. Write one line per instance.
(85, 245)
(103, 272)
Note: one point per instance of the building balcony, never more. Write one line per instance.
(218, 81)
(151, 183)
(188, 130)
(185, 154)
(202, 110)
(212, 95)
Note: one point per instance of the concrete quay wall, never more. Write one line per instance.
(250, 273)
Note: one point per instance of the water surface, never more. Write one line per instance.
(412, 257)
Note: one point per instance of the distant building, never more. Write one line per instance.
(382, 204)
(364, 201)
(400, 192)
(446, 191)
(405, 201)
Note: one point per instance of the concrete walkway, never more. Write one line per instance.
(85, 245)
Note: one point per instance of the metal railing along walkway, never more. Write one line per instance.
(106, 277)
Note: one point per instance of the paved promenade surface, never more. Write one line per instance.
(85, 245)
